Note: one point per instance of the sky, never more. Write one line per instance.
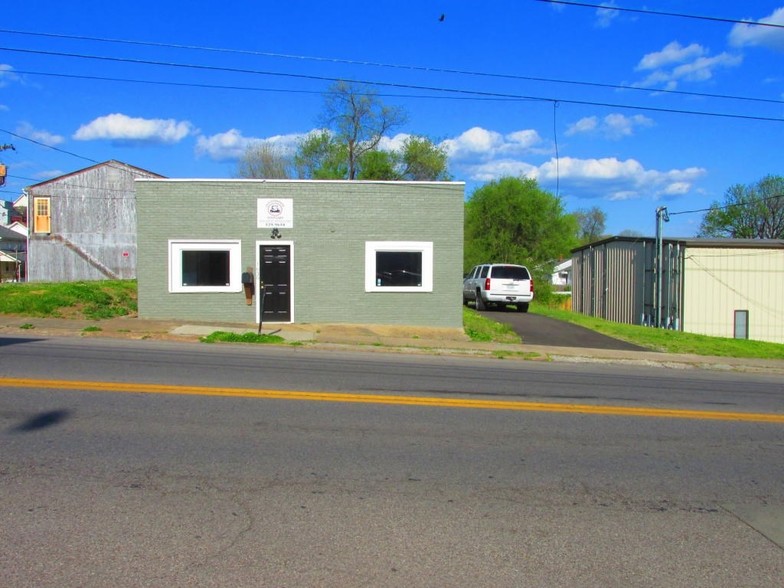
(603, 104)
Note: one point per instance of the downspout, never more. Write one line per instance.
(27, 237)
(593, 281)
(643, 319)
(605, 285)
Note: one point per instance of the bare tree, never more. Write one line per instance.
(358, 120)
(591, 222)
(264, 160)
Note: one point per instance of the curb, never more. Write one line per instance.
(367, 338)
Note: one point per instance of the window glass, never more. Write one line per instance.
(399, 268)
(483, 273)
(510, 272)
(205, 268)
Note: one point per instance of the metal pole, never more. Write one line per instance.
(661, 217)
(261, 305)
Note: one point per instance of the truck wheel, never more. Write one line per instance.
(523, 307)
(480, 304)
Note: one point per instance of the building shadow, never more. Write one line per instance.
(17, 340)
(42, 420)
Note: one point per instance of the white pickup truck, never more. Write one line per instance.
(499, 283)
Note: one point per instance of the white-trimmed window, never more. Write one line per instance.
(398, 266)
(205, 266)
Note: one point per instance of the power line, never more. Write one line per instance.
(49, 146)
(244, 88)
(390, 84)
(426, 69)
(660, 13)
(776, 197)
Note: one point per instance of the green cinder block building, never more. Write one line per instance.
(300, 251)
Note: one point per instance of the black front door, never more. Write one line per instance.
(276, 276)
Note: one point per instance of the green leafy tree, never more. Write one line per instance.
(379, 165)
(264, 160)
(320, 157)
(755, 211)
(512, 220)
(423, 160)
(418, 159)
(591, 223)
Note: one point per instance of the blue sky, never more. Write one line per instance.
(609, 108)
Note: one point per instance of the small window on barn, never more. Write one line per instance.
(398, 266)
(42, 215)
(204, 266)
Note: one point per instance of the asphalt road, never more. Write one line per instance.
(124, 485)
(541, 330)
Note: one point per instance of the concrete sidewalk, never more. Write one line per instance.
(371, 338)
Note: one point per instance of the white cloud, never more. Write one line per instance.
(45, 137)
(614, 179)
(7, 75)
(286, 143)
(393, 143)
(521, 141)
(479, 142)
(618, 125)
(120, 127)
(701, 69)
(676, 62)
(760, 36)
(605, 15)
(672, 53)
(612, 126)
(231, 144)
(584, 125)
(677, 189)
(498, 168)
(223, 146)
(608, 178)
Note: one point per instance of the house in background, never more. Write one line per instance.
(10, 213)
(301, 251)
(717, 287)
(13, 247)
(82, 226)
(562, 275)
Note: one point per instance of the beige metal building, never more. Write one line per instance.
(717, 287)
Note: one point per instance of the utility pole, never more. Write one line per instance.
(661, 217)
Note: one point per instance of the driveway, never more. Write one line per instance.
(541, 330)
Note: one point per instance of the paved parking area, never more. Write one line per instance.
(541, 330)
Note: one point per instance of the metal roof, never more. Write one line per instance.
(691, 242)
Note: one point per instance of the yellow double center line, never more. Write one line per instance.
(433, 401)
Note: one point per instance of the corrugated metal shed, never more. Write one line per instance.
(90, 233)
(705, 284)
